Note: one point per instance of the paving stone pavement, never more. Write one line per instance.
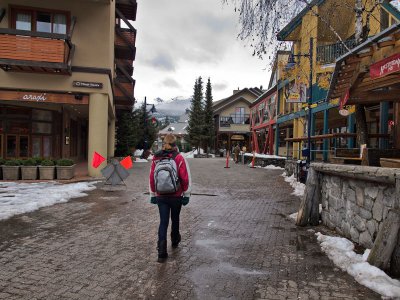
(237, 244)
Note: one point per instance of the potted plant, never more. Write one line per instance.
(47, 169)
(29, 169)
(11, 169)
(65, 169)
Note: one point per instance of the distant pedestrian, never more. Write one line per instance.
(236, 151)
(170, 188)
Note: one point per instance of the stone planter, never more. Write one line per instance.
(29, 172)
(47, 172)
(65, 172)
(10, 172)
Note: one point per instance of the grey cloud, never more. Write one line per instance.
(169, 82)
(219, 86)
(162, 61)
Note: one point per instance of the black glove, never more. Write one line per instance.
(153, 200)
(185, 201)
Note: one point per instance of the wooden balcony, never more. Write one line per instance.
(27, 51)
(125, 43)
(124, 93)
(128, 8)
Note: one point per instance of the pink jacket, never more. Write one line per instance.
(183, 174)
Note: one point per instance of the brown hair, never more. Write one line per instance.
(169, 142)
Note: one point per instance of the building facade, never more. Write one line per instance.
(315, 50)
(232, 119)
(66, 75)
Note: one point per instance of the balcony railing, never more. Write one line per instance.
(28, 51)
(329, 53)
(225, 121)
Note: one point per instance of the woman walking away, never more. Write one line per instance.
(170, 187)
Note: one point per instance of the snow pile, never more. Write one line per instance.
(293, 216)
(265, 156)
(272, 167)
(141, 160)
(299, 188)
(138, 153)
(188, 154)
(340, 251)
(19, 198)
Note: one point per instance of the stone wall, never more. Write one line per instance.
(291, 167)
(263, 161)
(356, 199)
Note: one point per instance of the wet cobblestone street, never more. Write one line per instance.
(237, 243)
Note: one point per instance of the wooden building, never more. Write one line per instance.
(232, 119)
(66, 75)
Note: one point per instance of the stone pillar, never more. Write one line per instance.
(111, 138)
(98, 130)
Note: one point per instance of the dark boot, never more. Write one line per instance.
(175, 239)
(162, 251)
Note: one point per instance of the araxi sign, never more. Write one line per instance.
(385, 67)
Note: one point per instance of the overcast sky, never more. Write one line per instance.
(179, 40)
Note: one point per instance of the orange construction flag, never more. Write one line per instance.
(97, 160)
(126, 162)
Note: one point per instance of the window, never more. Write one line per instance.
(11, 146)
(40, 20)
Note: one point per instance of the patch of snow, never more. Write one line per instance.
(265, 156)
(19, 198)
(141, 160)
(299, 187)
(272, 167)
(341, 252)
(293, 216)
(138, 152)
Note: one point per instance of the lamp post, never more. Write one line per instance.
(152, 110)
(309, 55)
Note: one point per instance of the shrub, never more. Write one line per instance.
(47, 162)
(65, 162)
(12, 162)
(2, 161)
(38, 160)
(29, 162)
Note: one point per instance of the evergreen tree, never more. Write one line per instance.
(208, 132)
(196, 118)
(127, 133)
(147, 132)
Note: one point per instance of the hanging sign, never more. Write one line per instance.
(296, 92)
(385, 67)
(92, 85)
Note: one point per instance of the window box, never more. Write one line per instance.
(10, 172)
(65, 172)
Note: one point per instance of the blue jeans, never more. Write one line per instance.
(166, 206)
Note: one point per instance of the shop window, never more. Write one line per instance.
(1, 145)
(11, 146)
(18, 127)
(46, 146)
(39, 20)
(18, 113)
(42, 115)
(36, 146)
(41, 127)
(23, 146)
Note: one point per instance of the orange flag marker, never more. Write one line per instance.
(126, 162)
(97, 160)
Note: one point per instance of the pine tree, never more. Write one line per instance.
(208, 132)
(196, 119)
(146, 132)
(127, 133)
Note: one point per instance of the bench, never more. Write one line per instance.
(347, 156)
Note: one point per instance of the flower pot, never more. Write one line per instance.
(47, 172)
(29, 172)
(10, 172)
(65, 172)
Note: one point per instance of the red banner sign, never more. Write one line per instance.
(385, 67)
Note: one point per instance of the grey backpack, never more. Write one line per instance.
(166, 175)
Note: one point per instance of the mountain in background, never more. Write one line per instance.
(174, 107)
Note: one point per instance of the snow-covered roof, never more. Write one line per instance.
(175, 128)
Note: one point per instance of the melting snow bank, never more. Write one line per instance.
(269, 167)
(299, 187)
(265, 156)
(140, 160)
(19, 198)
(340, 251)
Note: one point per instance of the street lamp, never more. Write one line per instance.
(152, 110)
(309, 55)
